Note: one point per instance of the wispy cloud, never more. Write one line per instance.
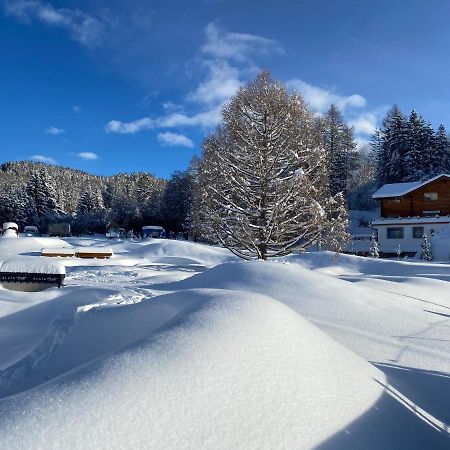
(76, 109)
(221, 44)
(116, 126)
(206, 119)
(43, 159)
(54, 131)
(320, 99)
(175, 140)
(226, 58)
(82, 27)
(88, 156)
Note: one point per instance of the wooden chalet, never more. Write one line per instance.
(409, 210)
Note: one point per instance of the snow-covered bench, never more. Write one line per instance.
(31, 274)
(94, 252)
(62, 251)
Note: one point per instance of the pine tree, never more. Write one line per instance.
(390, 145)
(262, 173)
(176, 200)
(417, 161)
(442, 151)
(426, 249)
(335, 235)
(341, 152)
(41, 189)
(374, 251)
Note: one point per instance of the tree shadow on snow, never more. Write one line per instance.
(394, 422)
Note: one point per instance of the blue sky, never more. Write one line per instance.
(126, 85)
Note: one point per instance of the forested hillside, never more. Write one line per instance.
(38, 194)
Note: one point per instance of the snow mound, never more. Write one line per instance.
(189, 252)
(377, 327)
(32, 265)
(26, 245)
(241, 371)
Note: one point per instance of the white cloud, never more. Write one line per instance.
(77, 109)
(89, 156)
(204, 119)
(54, 130)
(321, 99)
(221, 83)
(174, 140)
(82, 27)
(364, 123)
(116, 126)
(44, 159)
(238, 46)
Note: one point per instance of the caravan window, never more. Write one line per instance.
(418, 232)
(395, 233)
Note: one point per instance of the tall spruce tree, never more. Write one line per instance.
(341, 152)
(442, 151)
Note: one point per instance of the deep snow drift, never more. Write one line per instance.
(179, 345)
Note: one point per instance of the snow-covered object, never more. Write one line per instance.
(440, 245)
(9, 233)
(93, 252)
(32, 265)
(10, 226)
(10, 230)
(237, 370)
(64, 251)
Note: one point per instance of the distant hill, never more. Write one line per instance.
(72, 183)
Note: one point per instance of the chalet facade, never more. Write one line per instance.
(408, 210)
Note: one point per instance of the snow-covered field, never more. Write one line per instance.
(175, 345)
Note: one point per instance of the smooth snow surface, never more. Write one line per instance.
(220, 377)
(176, 345)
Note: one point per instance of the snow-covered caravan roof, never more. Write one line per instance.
(151, 227)
(399, 189)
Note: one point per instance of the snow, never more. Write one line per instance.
(94, 250)
(10, 225)
(396, 189)
(35, 265)
(69, 251)
(9, 233)
(440, 245)
(173, 344)
(412, 220)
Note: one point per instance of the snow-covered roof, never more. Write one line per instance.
(411, 220)
(153, 227)
(399, 189)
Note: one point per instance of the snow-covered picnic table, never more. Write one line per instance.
(31, 274)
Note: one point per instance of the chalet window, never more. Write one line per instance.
(395, 233)
(430, 196)
(394, 200)
(418, 232)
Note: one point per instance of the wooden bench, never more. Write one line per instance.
(94, 252)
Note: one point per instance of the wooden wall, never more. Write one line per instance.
(414, 203)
